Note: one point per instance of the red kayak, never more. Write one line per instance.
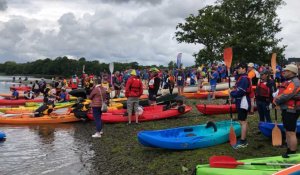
(4, 102)
(21, 88)
(216, 109)
(150, 113)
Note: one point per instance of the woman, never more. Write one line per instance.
(97, 97)
(180, 81)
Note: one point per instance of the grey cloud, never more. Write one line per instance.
(153, 2)
(3, 5)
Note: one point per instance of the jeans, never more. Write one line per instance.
(97, 116)
(263, 111)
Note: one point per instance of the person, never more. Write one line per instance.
(263, 94)
(36, 88)
(45, 109)
(108, 86)
(29, 94)
(15, 94)
(171, 81)
(252, 75)
(133, 91)
(13, 79)
(81, 108)
(117, 82)
(153, 87)
(242, 102)
(180, 77)
(214, 76)
(288, 100)
(97, 97)
(63, 96)
(74, 81)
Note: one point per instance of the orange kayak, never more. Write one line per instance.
(218, 94)
(28, 119)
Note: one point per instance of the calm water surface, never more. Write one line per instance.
(43, 149)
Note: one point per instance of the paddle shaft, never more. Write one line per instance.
(253, 163)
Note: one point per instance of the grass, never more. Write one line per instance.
(118, 151)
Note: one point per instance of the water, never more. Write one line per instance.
(44, 149)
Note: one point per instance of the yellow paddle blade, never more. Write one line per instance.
(232, 136)
(276, 136)
(273, 63)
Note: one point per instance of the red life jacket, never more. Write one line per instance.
(294, 102)
(262, 90)
(135, 87)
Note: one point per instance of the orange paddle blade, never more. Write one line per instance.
(232, 136)
(273, 63)
(228, 56)
(276, 136)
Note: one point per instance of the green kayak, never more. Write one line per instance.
(250, 169)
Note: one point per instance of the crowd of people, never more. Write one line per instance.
(254, 84)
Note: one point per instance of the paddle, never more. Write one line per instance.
(228, 60)
(276, 133)
(230, 162)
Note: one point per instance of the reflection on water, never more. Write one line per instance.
(44, 149)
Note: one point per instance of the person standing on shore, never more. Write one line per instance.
(97, 98)
(288, 100)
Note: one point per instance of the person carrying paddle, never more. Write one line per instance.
(133, 91)
(288, 100)
(263, 95)
(242, 101)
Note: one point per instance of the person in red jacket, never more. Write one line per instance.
(74, 82)
(133, 91)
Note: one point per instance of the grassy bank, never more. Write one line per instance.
(118, 151)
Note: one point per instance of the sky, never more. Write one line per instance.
(111, 30)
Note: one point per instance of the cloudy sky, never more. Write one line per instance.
(110, 30)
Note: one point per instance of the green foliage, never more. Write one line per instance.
(249, 26)
(63, 66)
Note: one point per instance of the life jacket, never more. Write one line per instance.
(134, 88)
(294, 102)
(171, 79)
(249, 89)
(67, 96)
(45, 109)
(82, 106)
(262, 90)
(106, 86)
(151, 83)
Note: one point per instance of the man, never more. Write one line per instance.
(214, 76)
(242, 100)
(288, 100)
(133, 91)
(153, 86)
(15, 94)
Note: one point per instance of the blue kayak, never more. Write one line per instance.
(266, 128)
(2, 136)
(189, 137)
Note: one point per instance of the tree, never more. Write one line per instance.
(249, 26)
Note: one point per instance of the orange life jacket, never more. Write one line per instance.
(294, 102)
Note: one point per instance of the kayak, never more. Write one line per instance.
(189, 137)
(220, 86)
(211, 109)
(266, 128)
(125, 99)
(218, 94)
(4, 102)
(251, 169)
(46, 119)
(21, 88)
(2, 136)
(163, 99)
(150, 113)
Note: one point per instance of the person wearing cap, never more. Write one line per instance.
(242, 102)
(133, 91)
(263, 95)
(253, 75)
(288, 100)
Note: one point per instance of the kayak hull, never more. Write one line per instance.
(189, 137)
(266, 128)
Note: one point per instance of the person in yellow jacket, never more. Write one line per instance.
(288, 100)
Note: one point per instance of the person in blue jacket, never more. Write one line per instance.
(242, 101)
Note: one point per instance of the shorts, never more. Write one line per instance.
(289, 120)
(213, 88)
(152, 96)
(132, 103)
(242, 114)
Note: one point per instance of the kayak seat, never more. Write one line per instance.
(211, 124)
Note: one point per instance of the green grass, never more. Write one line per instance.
(118, 151)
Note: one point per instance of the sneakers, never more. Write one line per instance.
(97, 135)
(240, 144)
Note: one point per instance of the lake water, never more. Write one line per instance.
(44, 149)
